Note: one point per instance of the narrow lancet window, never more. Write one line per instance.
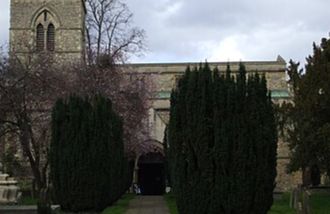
(51, 37)
(40, 37)
(45, 16)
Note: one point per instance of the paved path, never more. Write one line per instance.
(19, 209)
(148, 205)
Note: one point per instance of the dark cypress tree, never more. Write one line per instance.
(88, 168)
(222, 143)
(178, 158)
(308, 118)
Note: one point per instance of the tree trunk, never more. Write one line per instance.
(38, 182)
(306, 176)
(44, 206)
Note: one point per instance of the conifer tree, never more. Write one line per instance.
(222, 143)
(88, 168)
(307, 121)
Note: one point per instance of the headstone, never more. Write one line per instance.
(9, 190)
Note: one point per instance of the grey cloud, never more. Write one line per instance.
(4, 21)
(261, 28)
(192, 30)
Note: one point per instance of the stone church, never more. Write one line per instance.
(55, 26)
(58, 26)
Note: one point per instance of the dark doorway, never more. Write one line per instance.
(151, 176)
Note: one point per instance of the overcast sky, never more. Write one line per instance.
(218, 30)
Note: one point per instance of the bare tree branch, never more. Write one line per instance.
(109, 31)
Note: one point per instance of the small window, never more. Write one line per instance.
(40, 37)
(51, 37)
(45, 16)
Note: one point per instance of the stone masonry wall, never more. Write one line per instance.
(166, 75)
(69, 16)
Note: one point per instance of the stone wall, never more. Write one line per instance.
(285, 181)
(68, 18)
(165, 76)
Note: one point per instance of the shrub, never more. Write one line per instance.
(222, 143)
(88, 168)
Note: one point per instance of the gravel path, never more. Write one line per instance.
(148, 205)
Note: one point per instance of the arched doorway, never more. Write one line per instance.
(151, 174)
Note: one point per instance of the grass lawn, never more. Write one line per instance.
(171, 203)
(120, 206)
(320, 203)
(27, 200)
(281, 206)
(117, 208)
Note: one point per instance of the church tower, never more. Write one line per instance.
(48, 27)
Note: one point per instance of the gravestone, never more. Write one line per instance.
(9, 190)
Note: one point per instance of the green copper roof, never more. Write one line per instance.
(280, 94)
(276, 94)
(163, 95)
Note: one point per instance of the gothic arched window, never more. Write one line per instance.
(40, 37)
(51, 37)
